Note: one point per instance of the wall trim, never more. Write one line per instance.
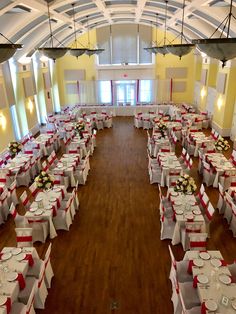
(220, 130)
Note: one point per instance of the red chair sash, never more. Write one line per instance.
(197, 244)
(24, 239)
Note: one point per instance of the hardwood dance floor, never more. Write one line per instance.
(112, 259)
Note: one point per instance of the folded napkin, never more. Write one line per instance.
(190, 267)
(195, 281)
(30, 259)
(8, 305)
(21, 281)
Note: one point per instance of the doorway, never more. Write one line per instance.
(125, 93)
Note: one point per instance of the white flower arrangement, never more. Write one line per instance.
(162, 127)
(185, 184)
(79, 126)
(14, 148)
(44, 180)
(221, 144)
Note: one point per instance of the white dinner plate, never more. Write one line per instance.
(225, 279)
(48, 207)
(198, 262)
(16, 251)
(191, 202)
(12, 276)
(6, 256)
(3, 299)
(233, 304)
(216, 262)
(38, 212)
(20, 257)
(204, 255)
(52, 199)
(33, 209)
(189, 216)
(211, 305)
(179, 212)
(39, 199)
(202, 279)
(197, 212)
(59, 166)
(57, 189)
(178, 203)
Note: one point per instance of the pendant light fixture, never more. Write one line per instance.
(222, 49)
(162, 49)
(76, 52)
(52, 52)
(89, 51)
(8, 50)
(153, 48)
(180, 49)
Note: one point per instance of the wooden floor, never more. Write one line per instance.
(112, 259)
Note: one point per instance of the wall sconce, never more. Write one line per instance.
(30, 106)
(44, 59)
(203, 92)
(219, 102)
(3, 121)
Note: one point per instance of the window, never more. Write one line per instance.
(146, 91)
(104, 92)
(15, 123)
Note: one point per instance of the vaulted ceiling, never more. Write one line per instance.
(26, 21)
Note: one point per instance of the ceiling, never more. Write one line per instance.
(26, 21)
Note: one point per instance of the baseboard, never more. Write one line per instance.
(220, 130)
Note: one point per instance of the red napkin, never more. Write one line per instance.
(8, 305)
(223, 263)
(58, 203)
(190, 266)
(21, 281)
(30, 259)
(54, 211)
(195, 282)
(203, 308)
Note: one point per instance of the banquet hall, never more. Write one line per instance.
(117, 156)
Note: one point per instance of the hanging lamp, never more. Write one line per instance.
(8, 50)
(162, 49)
(152, 49)
(52, 52)
(180, 49)
(222, 49)
(76, 52)
(89, 51)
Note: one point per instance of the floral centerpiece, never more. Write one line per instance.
(14, 148)
(162, 128)
(44, 181)
(222, 145)
(185, 184)
(79, 128)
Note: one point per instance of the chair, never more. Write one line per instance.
(198, 241)
(228, 207)
(232, 225)
(62, 220)
(225, 178)
(200, 193)
(221, 203)
(27, 295)
(167, 227)
(190, 227)
(4, 207)
(193, 310)
(20, 308)
(25, 200)
(33, 189)
(232, 269)
(208, 176)
(41, 293)
(183, 156)
(24, 237)
(173, 176)
(24, 177)
(12, 194)
(40, 229)
(20, 221)
(48, 267)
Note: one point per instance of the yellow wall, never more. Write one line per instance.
(169, 60)
(6, 130)
(69, 62)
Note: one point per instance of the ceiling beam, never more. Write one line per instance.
(139, 10)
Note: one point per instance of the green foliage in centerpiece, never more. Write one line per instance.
(222, 145)
(44, 180)
(79, 128)
(162, 128)
(185, 184)
(14, 148)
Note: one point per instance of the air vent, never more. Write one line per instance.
(53, 20)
